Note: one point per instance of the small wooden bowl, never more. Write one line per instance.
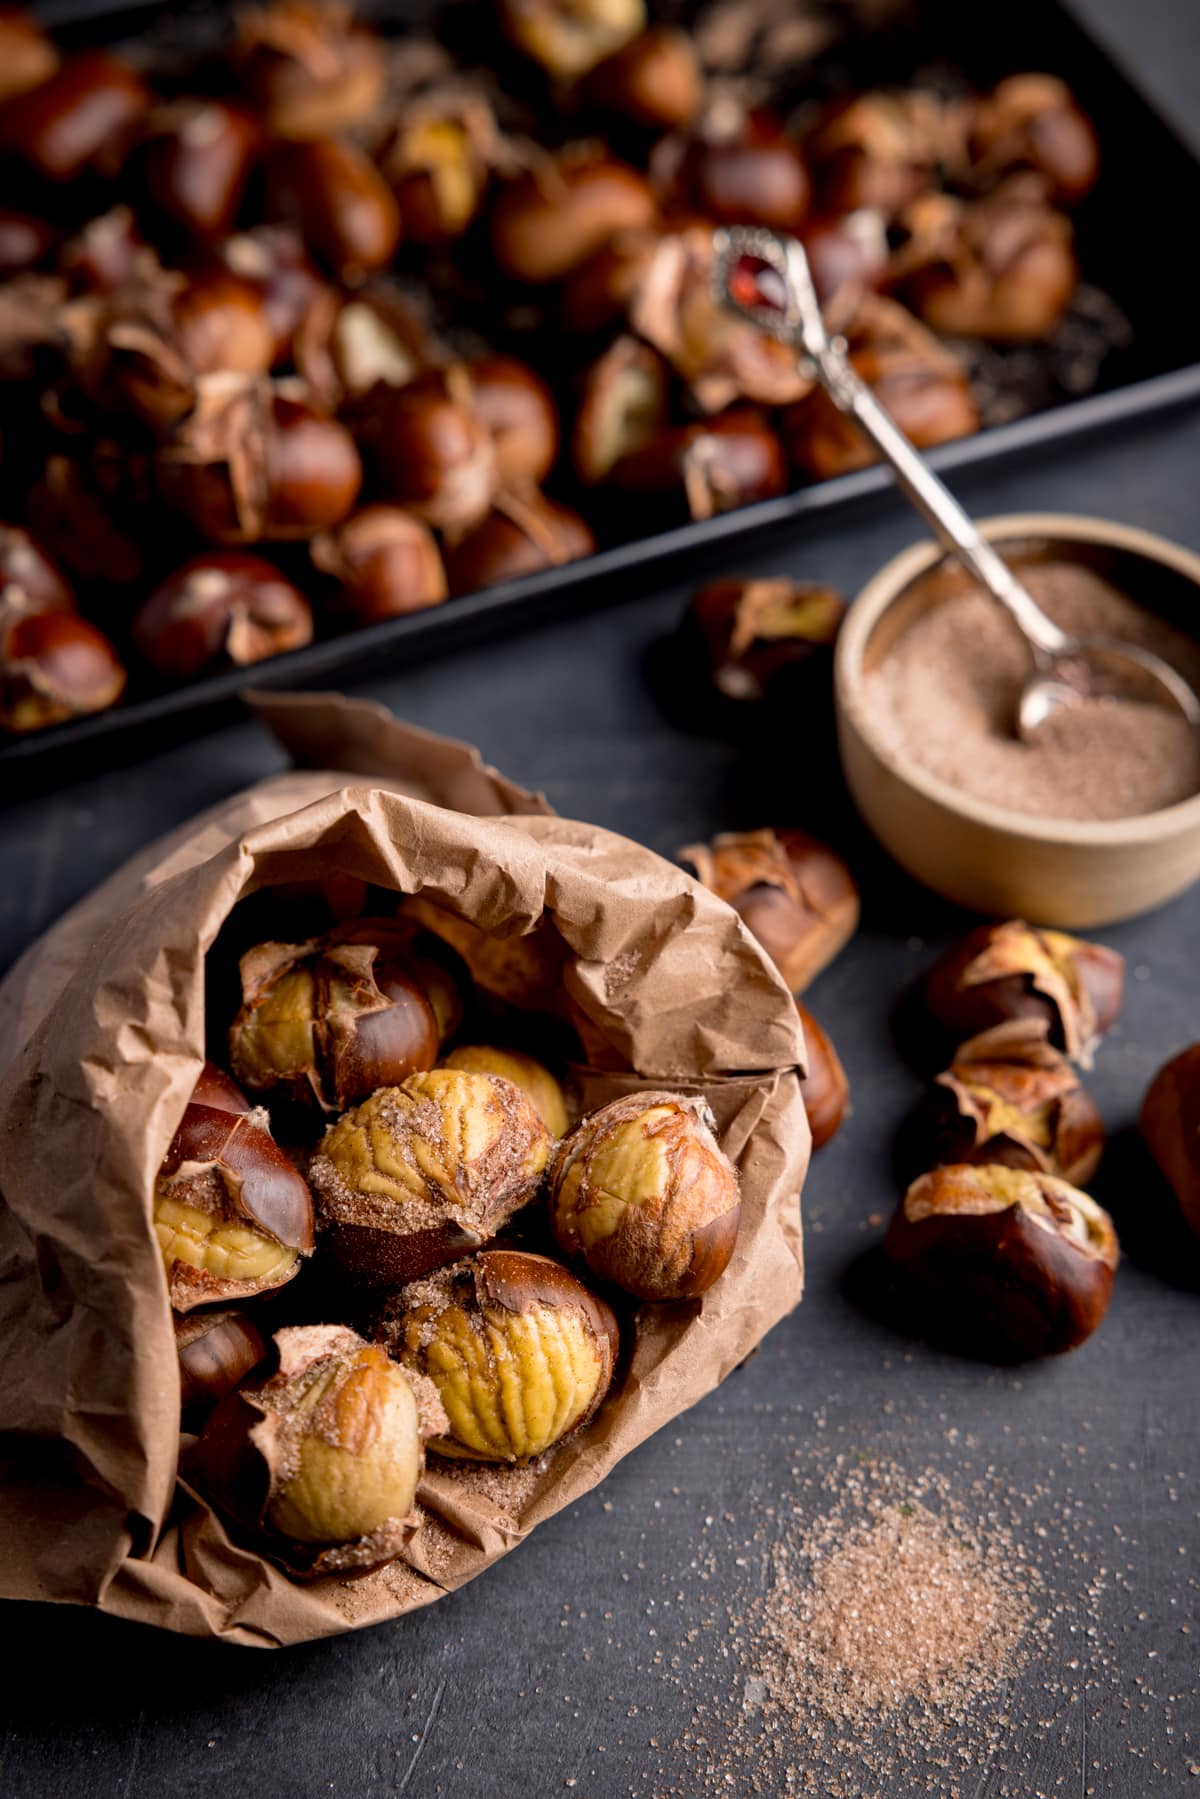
(1012, 864)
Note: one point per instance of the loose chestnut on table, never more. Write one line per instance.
(1013, 970)
(825, 1087)
(222, 607)
(1170, 1127)
(425, 1172)
(521, 1353)
(757, 632)
(643, 1195)
(319, 1459)
(793, 893)
(1006, 1263)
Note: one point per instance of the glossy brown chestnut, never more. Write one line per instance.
(272, 259)
(196, 164)
(222, 607)
(27, 569)
(750, 174)
(231, 1214)
(1170, 1125)
(1014, 970)
(1010, 1098)
(24, 241)
(549, 220)
(325, 1023)
(217, 1350)
(63, 127)
(848, 254)
(334, 195)
(642, 1193)
(257, 462)
(1002, 268)
(438, 164)
(86, 529)
(310, 66)
(792, 892)
(27, 57)
(385, 561)
(219, 1090)
(153, 344)
(430, 450)
(878, 150)
(519, 412)
(596, 295)
(1034, 124)
(656, 81)
(824, 1085)
(106, 253)
(525, 533)
(755, 633)
(54, 666)
(1013, 1264)
(569, 37)
(623, 407)
(728, 461)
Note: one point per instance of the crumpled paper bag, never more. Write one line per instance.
(101, 1038)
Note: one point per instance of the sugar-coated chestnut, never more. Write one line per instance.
(569, 37)
(232, 1216)
(385, 562)
(26, 568)
(424, 1172)
(825, 1088)
(217, 1350)
(755, 632)
(792, 892)
(25, 240)
(1170, 1125)
(430, 450)
(1002, 268)
(521, 1353)
(643, 1194)
(1009, 1097)
(310, 66)
(223, 606)
(257, 461)
(879, 150)
(656, 80)
(1014, 970)
(524, 534)
(623, 406)
(327, 1022)
(924, 386)
(743, 169)
(196, 163)
(519, 413)
(27, 57)
(717, 466)
(1016, 1264)
(1033, 123)
(546, 222)
(334, 195)
(320, 1457)
(63, 127)
(54, 666)
(526, 1072)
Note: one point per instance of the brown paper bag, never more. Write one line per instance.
(102, 1034)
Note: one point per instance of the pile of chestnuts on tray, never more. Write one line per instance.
(319, 327)
(469, 1250)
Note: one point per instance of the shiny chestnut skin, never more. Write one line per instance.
(219, 1090)
(430, 451)
(334, 195)
(549, 220)
(726, 462)
(1170, 1127)
(623, 407)
(54, 666)
(438, 165)
(273, 261)
(756, 633)
(309, 66)
(63, 128)
(1033, 123)
(847, 252)
(1007, 1263)
(85, 527)
(596, 295)
(876, 150)
(105, 254)
(1002, 268)
(222, 607)
(525, 533)
(824, 1085)
(1014, 970)
(518, 410)
(569, 37)
(25, 241)
(197, 162)
(27, 57)
(217, 1350)
(755, 175)
(385, 561)
(27, 569)
(656, 81)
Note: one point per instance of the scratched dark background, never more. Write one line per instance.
(577, 1662)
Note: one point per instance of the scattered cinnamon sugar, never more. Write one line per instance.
(945, 697)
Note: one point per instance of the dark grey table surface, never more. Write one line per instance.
(578, 1662)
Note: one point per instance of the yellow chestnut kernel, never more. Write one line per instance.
(227, 1251)
(531, 1076)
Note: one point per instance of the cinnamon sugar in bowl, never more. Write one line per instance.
(1099, 817)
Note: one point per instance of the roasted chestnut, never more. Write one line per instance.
(525, 533)
(531, 1076)
(385, 561)
(1170, 1125)
(848, 254)
(106, 253)
(757, 632)
(439, 162)
(792, 892)
(272, 260)
(569, 37)
(879, 151)
(1002, 268)
(519, 412)
(1014, 970)
(376, 337)
(88, 530)
(546, 222)
(597, 295)
(824, 1085)
(430, 450)
(334, 195)
(1034, 124)
(27, 570)
(310, 66)
(196, 163)
(54, 666)
(27, 57)
(1009, 1097)
(726, 462)
(224, 606)
(743, 169)
(217, 1350)
(81, 114)
(624, 406)
(1010, 1263)
(24, 241)
(656, 80)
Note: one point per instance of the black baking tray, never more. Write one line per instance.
(1129, 245)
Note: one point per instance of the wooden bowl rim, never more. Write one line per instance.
(894, 579)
